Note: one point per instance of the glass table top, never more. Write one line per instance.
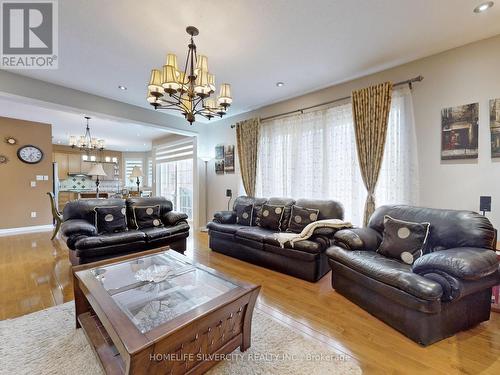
(154, 289)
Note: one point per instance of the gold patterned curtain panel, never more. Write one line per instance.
(370, 107)
(247, 137)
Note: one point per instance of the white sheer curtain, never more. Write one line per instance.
(313, 155)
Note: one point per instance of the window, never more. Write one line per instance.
(174, 174)
(150, 172)
(313, 155)
(129, 166)
(175, 183)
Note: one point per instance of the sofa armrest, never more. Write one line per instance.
(358, 239)
(81, 227)
(465, 263)
(225, 217)
(173, 218)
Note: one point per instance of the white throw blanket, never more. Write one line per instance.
(309, 229)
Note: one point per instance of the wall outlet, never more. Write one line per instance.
(33, 214)
(33, 183)
(39, 178)
(45, 178)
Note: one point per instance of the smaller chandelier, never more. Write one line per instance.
(191, 90)
(85, 142)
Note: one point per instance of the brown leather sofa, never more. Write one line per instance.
(306, 260)
(86, 245)
(446, 290)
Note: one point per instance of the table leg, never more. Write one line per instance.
(247, 322)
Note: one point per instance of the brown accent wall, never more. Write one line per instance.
(17, 198)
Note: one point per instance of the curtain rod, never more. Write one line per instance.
(408, 82)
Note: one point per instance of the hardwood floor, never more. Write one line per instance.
(35, 274)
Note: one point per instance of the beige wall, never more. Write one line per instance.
(463, 75)
(18, 198)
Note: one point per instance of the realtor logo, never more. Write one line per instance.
(29, 34)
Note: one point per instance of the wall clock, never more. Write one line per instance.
(10, 140)
(30, 154)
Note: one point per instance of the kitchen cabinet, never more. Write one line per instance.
(62, 165)
(65, 197)
(85, 166)
(74, 163)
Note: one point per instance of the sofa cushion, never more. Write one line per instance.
(387, 270)
(110, 219)
(244, 214)
(254, 233)
(403, 240)
(300, 217)
(147, 216)
(109, 239)
(266, 237)
(225, 228)
(272, 216)
(162, 232)
(309, 246)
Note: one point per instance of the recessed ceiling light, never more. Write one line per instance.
(122, 87)
(483, 7)
(280, 84)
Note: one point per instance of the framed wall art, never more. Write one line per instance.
(219, 159)
(495, 127)
(459, 132)
(229, 159)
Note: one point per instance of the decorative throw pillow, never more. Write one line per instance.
(147, 216)
(286, 218)
(110, 219)
(300, 217)
(271, 217)
(244, 214)
(403, 239)
(257, 215)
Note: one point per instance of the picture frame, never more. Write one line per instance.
(459, 132)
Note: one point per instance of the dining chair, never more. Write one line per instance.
(56, 215)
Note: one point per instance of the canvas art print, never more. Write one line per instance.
(495, 127)
(229, 159)
(459, 132)
(219, 159)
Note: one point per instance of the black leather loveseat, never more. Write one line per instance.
(447, 289)
(87, 245)
(254, 244)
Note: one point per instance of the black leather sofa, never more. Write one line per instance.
(445, 291)
(306, 260)
(86, 245)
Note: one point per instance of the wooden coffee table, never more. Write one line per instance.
(183, 324)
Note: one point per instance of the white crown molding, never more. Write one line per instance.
(31, 229)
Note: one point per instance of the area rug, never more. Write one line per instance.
(46, 342)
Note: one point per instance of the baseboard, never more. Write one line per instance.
(35, 228)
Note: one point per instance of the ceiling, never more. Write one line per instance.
(119, 135)
(307, 44)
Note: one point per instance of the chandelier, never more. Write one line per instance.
(85, 142)
(191, 90)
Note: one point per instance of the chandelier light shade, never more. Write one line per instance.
(86, 142)
(191, 90)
